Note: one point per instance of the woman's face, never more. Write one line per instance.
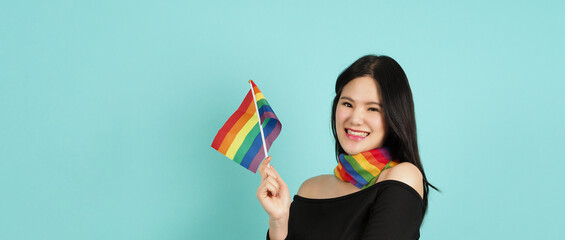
(360, 121)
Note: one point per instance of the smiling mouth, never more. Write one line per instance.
(356, 133)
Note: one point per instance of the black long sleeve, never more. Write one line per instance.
(387, 210)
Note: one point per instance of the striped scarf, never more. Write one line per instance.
(363, 169)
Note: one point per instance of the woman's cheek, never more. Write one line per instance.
(340, 115)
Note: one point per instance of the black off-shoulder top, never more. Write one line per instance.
(387, 210)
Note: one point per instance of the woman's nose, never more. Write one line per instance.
(357, 117)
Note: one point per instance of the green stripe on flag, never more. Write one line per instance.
(247, 142)
(261, 103)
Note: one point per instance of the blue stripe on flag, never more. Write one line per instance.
(258, 143)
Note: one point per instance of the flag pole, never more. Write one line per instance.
(259, 117)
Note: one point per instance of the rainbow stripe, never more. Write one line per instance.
(363, 169)
(240, 137)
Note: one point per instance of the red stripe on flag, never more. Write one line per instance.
(255, 88)
(230, 137)
(244, 107)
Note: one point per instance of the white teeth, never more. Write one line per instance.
(360, 134)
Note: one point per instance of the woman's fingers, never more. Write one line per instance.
(268, 187)
(274, 191)
(273, 182)
(272, 185)
(268, 172)
(263, 190)
(269, 183)
(271, 172)
(277, 177)
(263, 166)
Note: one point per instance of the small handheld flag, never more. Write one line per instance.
(242, 139)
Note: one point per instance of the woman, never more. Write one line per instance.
(379, 189)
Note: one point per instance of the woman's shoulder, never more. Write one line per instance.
(315, 184)
(406, 173)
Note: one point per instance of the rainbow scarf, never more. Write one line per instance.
(363, 169)
(240, 138)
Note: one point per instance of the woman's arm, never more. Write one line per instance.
(274, 196)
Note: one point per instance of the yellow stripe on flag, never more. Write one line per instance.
(238, 140)
(259, 96)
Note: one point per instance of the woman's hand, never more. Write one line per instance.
(274, 196)
(273, 193)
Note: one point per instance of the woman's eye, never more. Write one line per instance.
(347, 104)
(373, 109)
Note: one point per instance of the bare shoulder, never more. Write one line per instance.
(407, 173)
(312, 185)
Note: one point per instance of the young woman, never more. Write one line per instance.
(379, 189)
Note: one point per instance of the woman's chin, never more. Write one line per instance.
(352, 151)
(357, 149)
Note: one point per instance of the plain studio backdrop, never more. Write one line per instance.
(108, 110)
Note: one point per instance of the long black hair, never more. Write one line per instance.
(398, 107)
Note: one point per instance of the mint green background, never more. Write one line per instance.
(108, 110)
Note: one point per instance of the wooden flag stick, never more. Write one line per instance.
(259, 117)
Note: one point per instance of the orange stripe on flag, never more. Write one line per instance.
(230, 136)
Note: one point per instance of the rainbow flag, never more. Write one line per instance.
(240, 138)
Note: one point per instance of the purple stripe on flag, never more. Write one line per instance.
(257, 145)
(265, 108)
(273, 128)
(273, 135)
(256, 161)
(268, 115)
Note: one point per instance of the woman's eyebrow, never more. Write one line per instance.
(367, 103)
